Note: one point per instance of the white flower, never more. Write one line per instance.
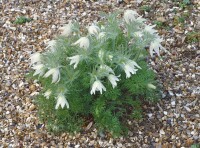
(130, 68)
(47, 93)
(83, 42)
(101, 35)
(129, 16)
(61, 101)
(97, 86)
(55, 74)
(51, 45)
(151, 86)
(150, 29)
(39, 69)
(107, 69)
(75, 60)
(35, 57)
(155, 46)
(66, 29)
(113, 80)
(93, 30)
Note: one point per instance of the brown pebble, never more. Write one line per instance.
(189, 142)
(155, 134)
(161, 19)
(28, 100)
(32, 107)
(32, 88)
(9, 51)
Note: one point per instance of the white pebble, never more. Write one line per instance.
(171, 93)
(162, 132)
(187, 108)
(179, 95)
(77, 146)
(84, 14)
(193, 76)
(150, 115)
(53, 26)
(176, 115)
(173, 103)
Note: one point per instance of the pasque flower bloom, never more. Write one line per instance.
(97, 86)
(75, 60)
(55, 72)
(61, 101)
(83, 42)
(51, 45)
(130, 68)
(155, 46)
(93, 30)
(39, 69)
(130, 15)
(47, 93)
(66, 29)
(35, 58)
(113, 80)
(150, 29)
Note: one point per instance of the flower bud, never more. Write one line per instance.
(151, 86)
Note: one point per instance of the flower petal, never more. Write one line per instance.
(56, 76)
(113, 80)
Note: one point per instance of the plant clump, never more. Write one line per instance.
(101, 75)
(22, 20)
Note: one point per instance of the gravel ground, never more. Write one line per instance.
(173, 122)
